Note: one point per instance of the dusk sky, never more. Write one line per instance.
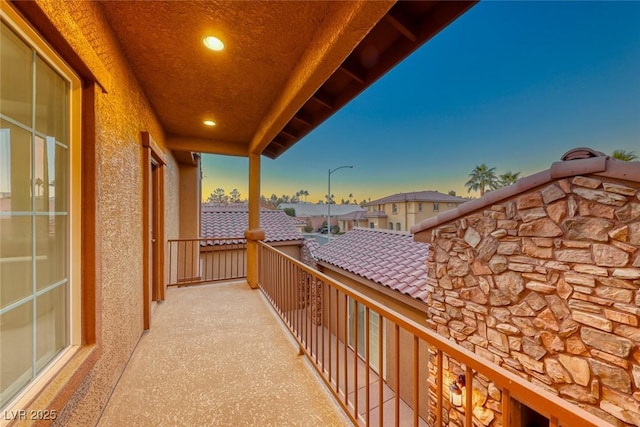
(511, 84)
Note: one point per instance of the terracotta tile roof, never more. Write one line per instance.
(225, 207)
(355, 215)
(418, 196)
(578, 161)
(386, 257)
(231, 221)
(310, 209)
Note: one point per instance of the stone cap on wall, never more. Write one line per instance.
(580, 161)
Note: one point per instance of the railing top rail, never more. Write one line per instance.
(207, 239)
(535, 397)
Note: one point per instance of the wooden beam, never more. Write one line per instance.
(323, 98)
(350, 71)
(403, 22)
(303, 118)
(209, 146)
(288, 133)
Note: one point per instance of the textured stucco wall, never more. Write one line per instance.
(547, 284)
(189, 201)
(121, 115)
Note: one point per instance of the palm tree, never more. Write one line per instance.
(39, 183)
(624, 155)
(508, 178)
(482, 178)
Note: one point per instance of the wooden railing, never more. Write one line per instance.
(193, 261)
(417, 365)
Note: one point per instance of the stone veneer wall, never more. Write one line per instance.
(546, 284)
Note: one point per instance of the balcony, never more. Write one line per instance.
(218, 355)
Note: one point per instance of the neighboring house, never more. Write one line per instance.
(316, 214)
(390, 267)
(543, 278)
(352, 220)
(402, 210)
(377, 219)
(225, 254)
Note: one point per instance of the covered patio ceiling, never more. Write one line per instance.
(286, 67)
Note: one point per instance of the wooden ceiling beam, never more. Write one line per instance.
(350, 71)
(179, 143)
(289, 133)
(303, 118)
(323, 98)
(402, 22)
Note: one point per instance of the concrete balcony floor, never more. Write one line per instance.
(217, 355)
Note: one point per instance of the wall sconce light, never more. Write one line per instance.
(455, 391)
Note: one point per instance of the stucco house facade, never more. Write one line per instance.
(315, 215)
(402, 211)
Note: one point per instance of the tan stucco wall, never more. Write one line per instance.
(120, 116)
(189, 201)
(408, 214)
(547, 285)
(293, 250)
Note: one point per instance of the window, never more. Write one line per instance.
(436, 207)
(390, 226)
(37, 151)
(372, 225)
(394, 208)
(374, 333)
(398, 226)
(419, 207)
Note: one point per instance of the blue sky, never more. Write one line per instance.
(510, 84)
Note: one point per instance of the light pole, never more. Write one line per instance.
(329, 200)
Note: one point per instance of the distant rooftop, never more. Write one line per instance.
(231, 220)
(355, 215)
(389, 258)
(310, 209)
(418, 196)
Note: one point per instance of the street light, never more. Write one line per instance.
(329, 200)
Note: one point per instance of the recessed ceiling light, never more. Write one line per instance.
(213, 43)
(209, 123)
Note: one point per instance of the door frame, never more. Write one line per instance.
(153, 163)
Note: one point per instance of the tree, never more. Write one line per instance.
(508, 178)
(290, 211)
(234, 196)
(452, 192)
(275, 201)
(330, 199)
(304, 193)
(39, 182)
(624, 155)
(218, 196)
(482, 178)
(350, 197)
